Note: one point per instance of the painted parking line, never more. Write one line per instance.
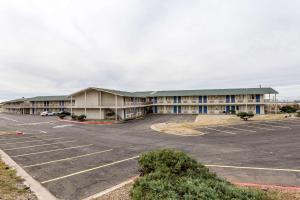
(254, 168)
(65, 159)
(9, 119)
(35, 123)
(240, 129)
(89, 170)
(268, 124)
(263, 128)
(219, 130)
(41, 152)
(31, 141)
(40, 145)
(16, 138)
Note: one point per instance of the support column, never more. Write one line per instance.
(116, 107)
(269, 104)
(246, 103)
(275, 104)
(71, 105)
(85, 102)
(100, 104)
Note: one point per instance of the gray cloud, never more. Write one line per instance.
(56, 47)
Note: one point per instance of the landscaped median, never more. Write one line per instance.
(169, 174)
(190, 128)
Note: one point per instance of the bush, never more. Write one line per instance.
(74, 117)
(288, 109)
(81, 118)
(168, 174)
(245, 116)
(61, 116)
(298, 113)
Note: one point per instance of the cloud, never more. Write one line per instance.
(57, 47)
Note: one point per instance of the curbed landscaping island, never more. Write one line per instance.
(168, 175)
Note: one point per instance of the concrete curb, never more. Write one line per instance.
(109, 190)
(86, 122)
(263, 186)
(40, 191)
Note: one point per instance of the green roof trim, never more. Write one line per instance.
(208, 92)
(234, 91)
(39, 98)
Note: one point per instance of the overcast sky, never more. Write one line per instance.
(57, 47)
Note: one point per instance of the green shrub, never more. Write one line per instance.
(74, 117)
(245, 116)
(81, 118)
(61, 116)
(288, 109)
(168, 174)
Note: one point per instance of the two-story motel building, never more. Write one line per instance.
(100, 103)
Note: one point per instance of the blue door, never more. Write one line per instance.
(155, 99)
(227, 109)
(200, 99)
(33, 111)
(155, 109)
(175, 109)
(232, 99)
(200, 109)
(205, 99)
(227, 99)
(257, 97)
(258, 109)
(179, 109)
(179, 99)
(205, 109)
(233, 108)
(175, 99)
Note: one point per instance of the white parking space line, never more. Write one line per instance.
(35, 123)
(88, 170)
(40, 145)
(240, 129)
(65, 159)
(9, 119)
(41, 152)
(268, 124)
(31, 141)
(219, 130)
(17, 138)
(254, 168)
(263, 128)
(63, 126)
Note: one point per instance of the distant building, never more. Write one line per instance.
(101, 103)
(36, 105)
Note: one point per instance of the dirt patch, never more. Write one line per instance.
(11, 186)
(6, 133)
(122, 193)
(183, 129)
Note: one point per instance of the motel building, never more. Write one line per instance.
(36, 105)
(100, 103)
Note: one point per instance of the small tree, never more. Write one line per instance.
(245, 115)
(81, 118)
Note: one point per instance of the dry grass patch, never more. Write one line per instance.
(6, 132)
(11, 187)
(188, 128)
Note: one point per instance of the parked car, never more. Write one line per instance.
(47, 113)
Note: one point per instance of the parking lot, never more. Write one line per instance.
(76, 161)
